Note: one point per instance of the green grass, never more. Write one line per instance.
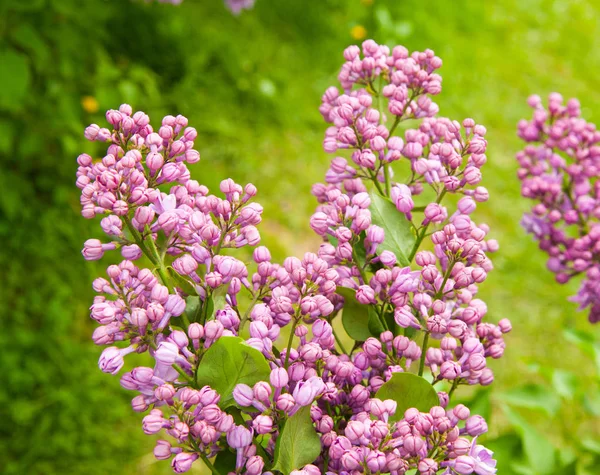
(251, 85)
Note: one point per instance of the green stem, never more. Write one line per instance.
(423, 351)
(381, 317)
(138, 240)
(395, 124)
(339, 342)
(454, 386)
(376, 183)
(440, 291)
(421, 236)
(208, 463)
(247, 314)
(183, 374)
(205, 305)
(399, 118)
(388, 181)
(360, 269)
(186, 320)
(290, 341)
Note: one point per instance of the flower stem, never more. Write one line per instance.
(138, 240)
(388, 184)
(183, 374)
(363, 275)
(339, 342)
(421, 236)
(423, 351)
(247, 314)
(454, 386)
(290, 341)
(208, 463)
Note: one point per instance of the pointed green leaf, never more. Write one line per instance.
(539, 451)
(408, 390)
(355, 316)
(399, 235)
(298, 443)
(225, 462)
(565, 383)
(229, 362)
(376, 326)
(181, 282)
(532, 396)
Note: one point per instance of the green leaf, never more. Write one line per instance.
(192, 307)
(586, 343)
(565, 383)
(229, 362)
(332, 240)
(399, 235)
(298, 444)
(27, 37)
(539, 451)
(181, 282)
(590, 444)
(532, 396)
(225, 462)
(360, 251)
(408, 390)
(591, 403)
(216, 301)
(376, 326)
(480, 404)
(14, 81)
(355, 316)
(507, 451)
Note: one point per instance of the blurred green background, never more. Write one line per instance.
(251, 85)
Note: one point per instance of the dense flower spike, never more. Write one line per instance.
(559, 169)
(240, 348)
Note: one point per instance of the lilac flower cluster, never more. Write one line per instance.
(378, 446)
(250, 372)
(558, 169)
(236, 6)
(439, 297)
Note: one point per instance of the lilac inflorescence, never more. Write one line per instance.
(182, 291)
(559, 170)
(237, 6)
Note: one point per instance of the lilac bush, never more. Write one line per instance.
(559, 170)
(344, 361)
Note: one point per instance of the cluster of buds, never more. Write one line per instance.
(431, 442)
(559, 167)
(438, 297)
(240, 348)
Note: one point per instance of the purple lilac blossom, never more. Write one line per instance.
(559, 168)
(236, 6)
(179, 242)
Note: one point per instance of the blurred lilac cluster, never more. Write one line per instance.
(559, 167)
(235, 6)
(250, 371)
